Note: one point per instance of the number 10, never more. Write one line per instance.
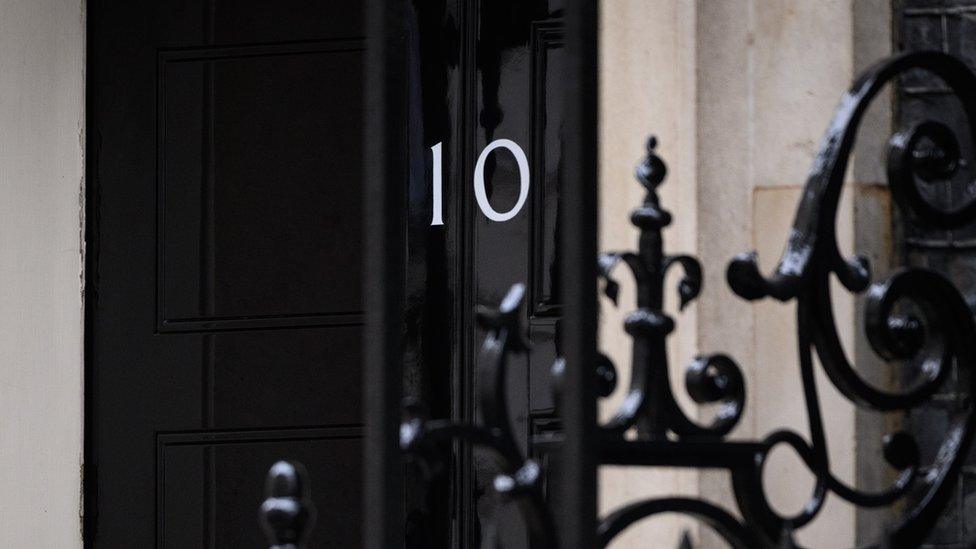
(479, 182)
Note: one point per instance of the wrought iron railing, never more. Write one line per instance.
(914, 315)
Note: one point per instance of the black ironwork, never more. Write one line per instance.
(915, 316)
(520, 479)
(386, 146)
(287, 514)
(575, 479)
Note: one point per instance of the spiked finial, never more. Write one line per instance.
(287, 514)
(652, 171)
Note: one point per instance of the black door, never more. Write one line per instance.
(225, 264)
(224, 276)
(491, 100)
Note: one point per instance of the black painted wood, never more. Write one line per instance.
(486, 71)
(224, 293)
(237, 188)
(386, 160)
(515, 92)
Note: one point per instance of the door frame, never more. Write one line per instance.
(385, 215)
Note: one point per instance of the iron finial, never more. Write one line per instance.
(287, 514)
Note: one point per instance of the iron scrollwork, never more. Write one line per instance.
(915, 316)
(520, 478)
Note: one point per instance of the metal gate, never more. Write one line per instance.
(915, 315)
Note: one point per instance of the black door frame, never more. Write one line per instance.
(385, 156)
(89, 470)
(385, 217)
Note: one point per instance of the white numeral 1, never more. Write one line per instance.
(438, 218)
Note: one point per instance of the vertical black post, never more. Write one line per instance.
(577, 486)
(385, 232)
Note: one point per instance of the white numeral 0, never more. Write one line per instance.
(479, 179)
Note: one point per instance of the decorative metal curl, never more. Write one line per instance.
(520, 479)
(649, 404)
(913, 315)
(943, 331)
(724, 524)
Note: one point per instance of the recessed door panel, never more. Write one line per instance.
(288, 377)
(208, 495)
(225, 310)
(260, 169)
(489, 71)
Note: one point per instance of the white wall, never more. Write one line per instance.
(42, 134)
(772, 73)
(647, 79)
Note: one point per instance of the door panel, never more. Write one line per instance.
(226, 243)
(488, 70)
(225, 515)
(516, 44)
(287, 377)
(226, 316)
(245, 134)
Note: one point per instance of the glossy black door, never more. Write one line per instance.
(225, 312)
(486, 71)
